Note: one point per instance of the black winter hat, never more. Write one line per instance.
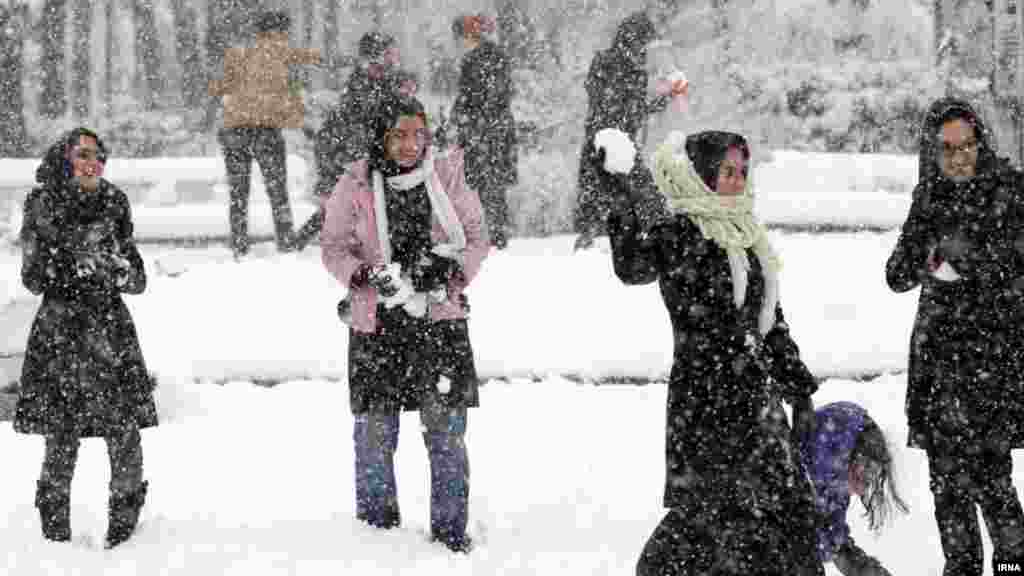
(272, 21)
(707, 150)
(373, 45)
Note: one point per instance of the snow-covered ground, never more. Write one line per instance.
(567, 476)
(187, 197)
(538, 309)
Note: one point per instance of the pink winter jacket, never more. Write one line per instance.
(349, 236)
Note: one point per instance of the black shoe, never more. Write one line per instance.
(386, 520)
(54, 512)
(458, 544)
(123, 515)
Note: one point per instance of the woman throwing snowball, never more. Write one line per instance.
(738, 501)
(404, 234)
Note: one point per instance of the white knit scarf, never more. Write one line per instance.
(440, 204)
(727, 221)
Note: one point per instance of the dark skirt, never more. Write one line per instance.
(406, 359)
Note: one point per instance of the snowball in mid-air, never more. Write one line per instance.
(620, 153)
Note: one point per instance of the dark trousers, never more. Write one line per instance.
(124, 452)
(376, 440)
(266, 146)
(494, 199)
(962, 477)
(309, 230)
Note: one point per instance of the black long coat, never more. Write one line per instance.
(727, 447)
(83, 372)
(482, 114)
(616, 98)
(965, 362)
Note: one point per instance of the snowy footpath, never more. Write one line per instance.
(567, 476)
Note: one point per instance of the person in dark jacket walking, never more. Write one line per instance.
(405, 235)
(482, 117)
(346, 131)
(616, 98)
(962, 244)
(739, 503)
(849, 455)
(84, 374)
(258, 104)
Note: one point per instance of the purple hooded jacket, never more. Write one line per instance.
(827, 461)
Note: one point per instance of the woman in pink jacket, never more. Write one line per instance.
(406, 236)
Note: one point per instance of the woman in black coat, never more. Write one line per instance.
(739, 503)
(84, 375)
(482, 114)
(965, 387)
(616, 98)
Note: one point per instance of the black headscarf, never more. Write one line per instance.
(707, 151)
(940, 112)
(55, 168)
(634, 33)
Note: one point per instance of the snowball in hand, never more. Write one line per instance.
(677, 76)
(620, 152)
(946, 273)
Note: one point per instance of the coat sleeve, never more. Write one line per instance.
(46, 262)
(470, 212)
(786, 366)
(339, 245)
(634, 255)
(907, 264)
(851, 560)
(133, 280)
(233, 69)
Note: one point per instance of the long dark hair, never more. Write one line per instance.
(880, 493)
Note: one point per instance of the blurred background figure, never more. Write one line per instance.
(258, 103)
(482, 116)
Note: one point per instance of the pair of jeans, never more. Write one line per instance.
(376, 440)
(961, 477)
(267, 147)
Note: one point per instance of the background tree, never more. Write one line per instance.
(147, 53)
(186, 47)
(81, 59)
(52, 98)
(13, 136)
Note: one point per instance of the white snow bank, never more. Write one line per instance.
(538, 309)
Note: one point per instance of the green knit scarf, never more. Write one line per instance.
(727, 221)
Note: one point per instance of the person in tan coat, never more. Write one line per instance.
(258, 104)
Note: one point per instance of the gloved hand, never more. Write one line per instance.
(104, 266)
(433, 272)
(804, 421)
(387, 280)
